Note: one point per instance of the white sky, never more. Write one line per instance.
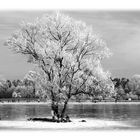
(120, 29)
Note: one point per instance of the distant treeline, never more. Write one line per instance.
(17, 88)
(125, 89)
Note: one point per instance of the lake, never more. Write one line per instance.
(124, 113)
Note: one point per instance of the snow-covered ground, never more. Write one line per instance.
(76, 124)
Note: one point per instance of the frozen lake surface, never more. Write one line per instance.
(97, 116)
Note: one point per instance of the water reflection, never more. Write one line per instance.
(117, 112)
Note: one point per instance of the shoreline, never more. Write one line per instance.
(70, 103)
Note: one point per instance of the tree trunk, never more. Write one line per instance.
(54, 111)
(64, 110)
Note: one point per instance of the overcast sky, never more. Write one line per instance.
(120, 30)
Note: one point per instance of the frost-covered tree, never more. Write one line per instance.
(23, 92)
(68, 54)
(134, 85)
